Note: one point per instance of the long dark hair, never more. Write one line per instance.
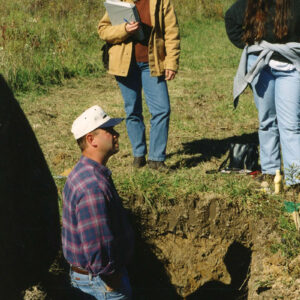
(256, 16)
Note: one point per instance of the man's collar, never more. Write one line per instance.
(89, 161)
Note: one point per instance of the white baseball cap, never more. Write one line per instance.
(93, 118)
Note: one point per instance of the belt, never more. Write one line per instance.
(79, 270)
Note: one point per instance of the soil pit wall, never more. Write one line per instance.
(203, 246)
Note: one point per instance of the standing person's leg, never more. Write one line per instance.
(263, 87)
(157, 99)
(287, 97)
(131, 89)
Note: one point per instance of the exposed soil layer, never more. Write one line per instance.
(201, 248)
(204, 245)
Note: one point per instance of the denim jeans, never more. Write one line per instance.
(277, 98)
(95, 286)
(157, 100)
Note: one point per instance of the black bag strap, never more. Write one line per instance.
(223, 164)
(105, 55)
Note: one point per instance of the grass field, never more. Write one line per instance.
(45, 42)
(50, 55)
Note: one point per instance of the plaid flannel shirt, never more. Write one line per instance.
(96, 234)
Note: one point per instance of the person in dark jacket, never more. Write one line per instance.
(269, 32)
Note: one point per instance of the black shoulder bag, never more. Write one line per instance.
(241, 157)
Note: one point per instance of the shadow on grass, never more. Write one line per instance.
(29, 218)
(203, 150)
(237, 261)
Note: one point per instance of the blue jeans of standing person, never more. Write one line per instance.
(157, 99)
(277, 98)
(96, 287)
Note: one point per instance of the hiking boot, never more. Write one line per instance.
(157, 165)
(139, 162)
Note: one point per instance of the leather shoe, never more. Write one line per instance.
(157, 165)
(139, 162)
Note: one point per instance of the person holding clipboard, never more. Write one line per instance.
(145, 64)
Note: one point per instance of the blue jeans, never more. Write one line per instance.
(277, 98)
(157, 99)
(96, 287)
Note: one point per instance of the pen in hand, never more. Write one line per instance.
(131, 27)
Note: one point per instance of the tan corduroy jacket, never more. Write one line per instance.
(164, 42)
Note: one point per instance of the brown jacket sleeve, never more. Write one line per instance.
(172, 37)
(112, 34)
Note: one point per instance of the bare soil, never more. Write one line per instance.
(203, 248)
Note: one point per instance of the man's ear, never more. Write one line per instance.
(89, 138)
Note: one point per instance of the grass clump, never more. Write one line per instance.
(289, 245)
(147, 187)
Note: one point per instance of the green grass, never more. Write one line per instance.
(42, 43)
(290, 240)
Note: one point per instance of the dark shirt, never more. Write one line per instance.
(96, 234)
(234, 20)
(141, 48)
